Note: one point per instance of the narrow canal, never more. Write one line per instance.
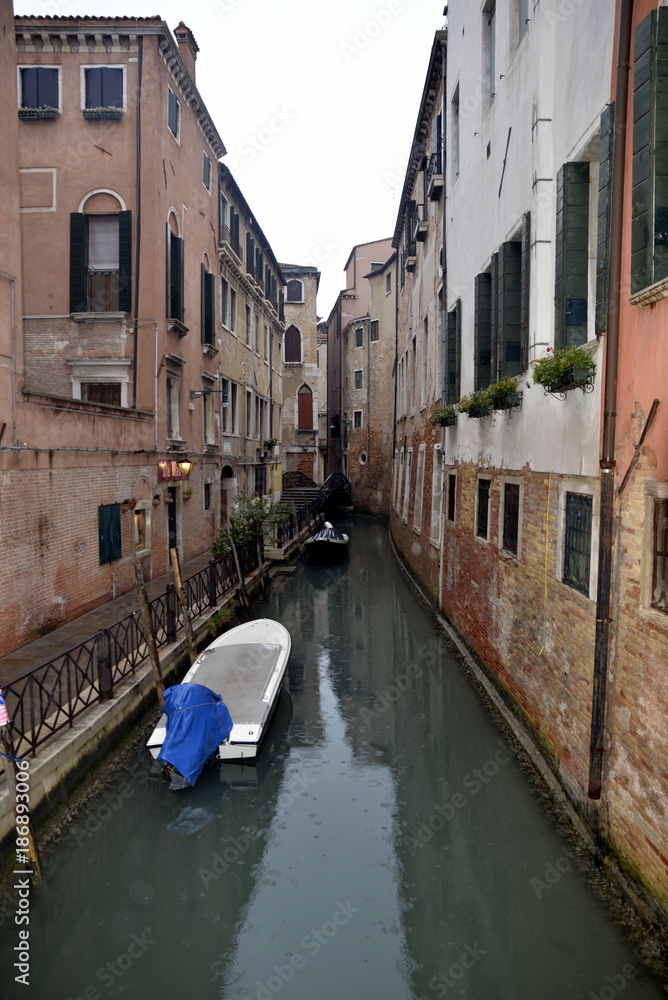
(387, 845)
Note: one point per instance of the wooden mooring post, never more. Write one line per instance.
(187, 624)
(149, 631)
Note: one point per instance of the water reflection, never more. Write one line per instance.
(386, 845)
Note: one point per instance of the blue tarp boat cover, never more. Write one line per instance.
(328, 532)
(198, 720)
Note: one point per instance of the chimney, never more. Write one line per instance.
(188, 47)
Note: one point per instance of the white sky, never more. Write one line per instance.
(316, 104)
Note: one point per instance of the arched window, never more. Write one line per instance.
(293, 345)
(305, 409)
(100, 254)
(295, 291)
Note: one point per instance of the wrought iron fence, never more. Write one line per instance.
(52, 696)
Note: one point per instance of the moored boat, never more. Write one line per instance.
(245, 667)
(327, 545)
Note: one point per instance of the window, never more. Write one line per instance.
(511, 517)
(388, 282)
(175, 276)
(249, 413)
(209, 386)
(233, 310)
(357, 420)
(660, 558)
(256, 333)
(577, 541)
(108, 393)
(222, 216)
(419, 490)
(294, 291)
(501, 312)
(224, 301)
(109, 532)
(208, 496)
(103, 87)
(604, 213)
(249, 328)
(436, 493)
(174, 398)
(359, 337)
(407, 483)
(206, 171)
(373, 331)
(358, 379)
(140, 528)
(100, 380)
(376, 265)
(229, 410)
(453, 354)
(482, 331)
(482, 508)
(454, 134)
(293, 345)
(207, 305)
(40, 87)
(173, 114)
(572, 255)
(452, 496)
(305, 408)
(649, 238)
(100, 262)
(423, 366)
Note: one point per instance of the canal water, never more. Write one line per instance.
(387, 845)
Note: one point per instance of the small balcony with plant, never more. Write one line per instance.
(564, 369)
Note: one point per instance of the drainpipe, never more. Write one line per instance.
(11, 279)
(138, 223)
(607, 461)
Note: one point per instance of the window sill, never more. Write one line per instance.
(38, 114)
(99, 114)
(175, 444)
(653, 293)
(176, 326)
(98, 317)
(210, 350)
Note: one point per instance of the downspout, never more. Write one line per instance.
(444, 315)
(15, 378)
(138, 224)
(368, 390)
(607, 461)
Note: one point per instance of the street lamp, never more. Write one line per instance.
(185, 466)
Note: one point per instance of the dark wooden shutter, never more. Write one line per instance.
(525, 310)
(109, 532)
(509, 309)
(176, 278)
(305, 409)
(482, 330)
(207, 306)
(125, 261)
(436, 143)
(453, 354)
(78, 300)
(604, 208)
(572, 254)
(281, 306)
(250, 253)
(494, 322)
(293, 345)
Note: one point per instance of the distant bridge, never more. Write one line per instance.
(300, 489)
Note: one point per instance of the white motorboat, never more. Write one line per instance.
(246, 667)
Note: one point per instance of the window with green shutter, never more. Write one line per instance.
(604, 207)
(109, 532)
(453, 354)
(572, 254)
(508, 310)
(207, 306)
(649, 216)
(482, 331)
(525, 291)
(101, 262)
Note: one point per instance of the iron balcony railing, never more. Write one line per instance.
(227, 237)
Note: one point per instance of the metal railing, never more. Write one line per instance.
(52, 696)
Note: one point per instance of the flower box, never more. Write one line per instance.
(38, 113)
(96, 114)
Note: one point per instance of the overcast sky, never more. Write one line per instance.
(316, 104)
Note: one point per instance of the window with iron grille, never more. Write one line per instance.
(482, 513)
(660, 567)
(452, 495)
(577, 541)
(102, 392)
(511, 517)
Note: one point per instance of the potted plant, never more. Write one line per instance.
(128, 504)
(156, 499)
(109, 112)
(188, 492)
(476, 404)
(565, 368)
(444, 416)
(504, 394)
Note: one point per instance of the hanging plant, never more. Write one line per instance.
(476, 404)
(444, 416)
(564, 369)
(505, 394)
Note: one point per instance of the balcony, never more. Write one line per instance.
(411, 255)
(434, 177)
(228, 240)
(421, 223)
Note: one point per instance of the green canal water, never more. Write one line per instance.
(386, 847)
